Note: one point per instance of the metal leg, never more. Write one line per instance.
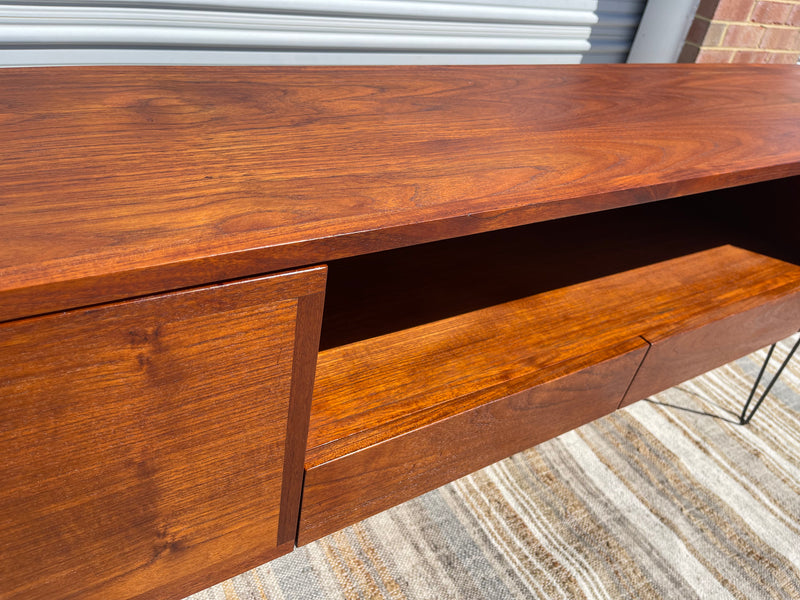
(744, 419)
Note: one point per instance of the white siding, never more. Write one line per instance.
(301, 31)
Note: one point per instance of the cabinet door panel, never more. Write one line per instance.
(143, 444)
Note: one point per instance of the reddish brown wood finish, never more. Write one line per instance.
(683, 350)
(765, 217)
(505, 419)
(143, 444)
(757, 302)
(374, 294)
(382, 404)
(306, 347)
(155, 446)
(118, 182)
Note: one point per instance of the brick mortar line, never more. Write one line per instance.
(755, 24)
(786, 2)
(739, 49)
(751, 23)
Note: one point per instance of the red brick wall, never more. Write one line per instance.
(744, 31)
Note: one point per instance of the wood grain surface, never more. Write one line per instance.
(375, 384)
(502, 420)
(374, 294)
(121, 181)
(306, 348)
(143, 444)
(682, 350)
(376, 399)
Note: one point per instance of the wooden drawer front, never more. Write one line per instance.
(685, 352)
(344, 490)
(143, 444)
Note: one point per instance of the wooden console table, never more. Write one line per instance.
(502, 254)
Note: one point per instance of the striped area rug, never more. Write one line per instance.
(668, 498)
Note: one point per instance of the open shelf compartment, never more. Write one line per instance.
(401, 408)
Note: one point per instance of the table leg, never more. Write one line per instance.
(744, 418)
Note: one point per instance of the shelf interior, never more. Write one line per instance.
(415, 335)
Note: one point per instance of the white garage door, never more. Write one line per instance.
(316, 31)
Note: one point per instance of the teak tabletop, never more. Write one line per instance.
(124, 181)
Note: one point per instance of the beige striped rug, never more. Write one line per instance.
(669, 498)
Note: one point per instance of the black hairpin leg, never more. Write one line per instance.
(744, 419)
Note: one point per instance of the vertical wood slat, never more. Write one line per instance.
(309, 315)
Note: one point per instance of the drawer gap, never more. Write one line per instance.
(374, 395)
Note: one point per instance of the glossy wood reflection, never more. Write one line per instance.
(144, 445)
(118, 182)
(397, 415)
